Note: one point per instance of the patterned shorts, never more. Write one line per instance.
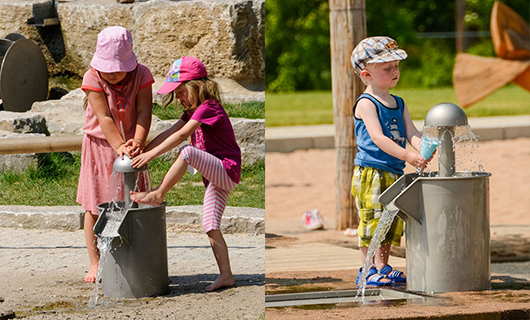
(367, 184)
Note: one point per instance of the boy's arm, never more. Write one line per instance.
(413, 135)
(367, 112)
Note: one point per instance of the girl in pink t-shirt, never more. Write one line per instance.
(213, 152)
(117, 121)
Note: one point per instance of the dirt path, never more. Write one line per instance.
(305, 179)
(42, 278)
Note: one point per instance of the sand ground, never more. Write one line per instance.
(42, 278)
(304, 180)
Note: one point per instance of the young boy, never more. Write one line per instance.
(382, 127)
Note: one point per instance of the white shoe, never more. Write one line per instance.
(312, 220)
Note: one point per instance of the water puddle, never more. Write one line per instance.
(342, 296)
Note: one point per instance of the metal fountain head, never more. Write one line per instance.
(129, 173)
(124, 165)
(446, 116)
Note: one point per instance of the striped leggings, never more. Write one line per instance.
(218, 187)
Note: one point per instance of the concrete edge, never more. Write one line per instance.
(289, 139)
(234, 220)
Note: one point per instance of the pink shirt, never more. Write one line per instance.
(216, 136)
(121, 100)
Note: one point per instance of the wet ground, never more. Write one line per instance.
(42, 278)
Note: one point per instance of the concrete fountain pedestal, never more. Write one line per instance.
(134, 238)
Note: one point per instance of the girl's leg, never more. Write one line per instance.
(210, 167)
(156, 197)
(220, 251)
(91, 244)
(215, 200)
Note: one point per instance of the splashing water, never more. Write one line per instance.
(104, 246)
(385, 222)
(465, 145)
(114, 214)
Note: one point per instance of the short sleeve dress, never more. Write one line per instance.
(97, 156)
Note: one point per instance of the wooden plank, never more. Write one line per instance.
(510, 33)
(475, 78)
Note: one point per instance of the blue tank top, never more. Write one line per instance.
(393, 126)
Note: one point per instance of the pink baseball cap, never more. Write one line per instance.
(114, 51)
(183, 69)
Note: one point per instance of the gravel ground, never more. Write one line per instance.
(42, 278)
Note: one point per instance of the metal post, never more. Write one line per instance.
(446, 160)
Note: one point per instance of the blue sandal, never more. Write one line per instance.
(394, 275)
(373, 278)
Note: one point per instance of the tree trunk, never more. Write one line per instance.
(347, 29)
(461, 41)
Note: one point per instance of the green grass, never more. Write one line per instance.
(54, 183)
(310, 108)
(249, 110)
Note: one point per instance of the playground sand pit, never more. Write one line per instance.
(42, 278)
(304, 180)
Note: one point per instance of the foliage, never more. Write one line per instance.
(297, 39)
(248, 110)
(297, 45)
(54, 183)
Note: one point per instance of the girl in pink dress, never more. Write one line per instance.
(117, 121)
(213, 152)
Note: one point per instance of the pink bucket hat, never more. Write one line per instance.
(183, 69)
(114, 51)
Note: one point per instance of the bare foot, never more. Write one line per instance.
(91, 275)
(151, 198)
(222, 282)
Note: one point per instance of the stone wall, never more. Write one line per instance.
(228, 36)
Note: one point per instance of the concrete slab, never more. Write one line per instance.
(235, 219)
(290, 138)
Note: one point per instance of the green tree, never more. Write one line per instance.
(297, 39)
(297, 45)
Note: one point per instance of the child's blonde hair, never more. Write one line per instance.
(199, 91)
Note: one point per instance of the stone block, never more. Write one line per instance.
(250, 135)
(227, 35)
(25, 122)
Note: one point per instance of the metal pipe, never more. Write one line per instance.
(446, 160)
(48, 144)
(129, 183)
(41, 144)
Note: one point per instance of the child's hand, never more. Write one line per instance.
(142, 159)
(122, 150)
(134, 146)
(416, 160)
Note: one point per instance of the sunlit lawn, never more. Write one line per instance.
(309, 108)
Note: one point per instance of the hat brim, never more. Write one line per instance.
(106, 66)
(168, 87)
(398, 54)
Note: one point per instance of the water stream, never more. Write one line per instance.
(114, 215)
(464, 144)
(385, 222)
